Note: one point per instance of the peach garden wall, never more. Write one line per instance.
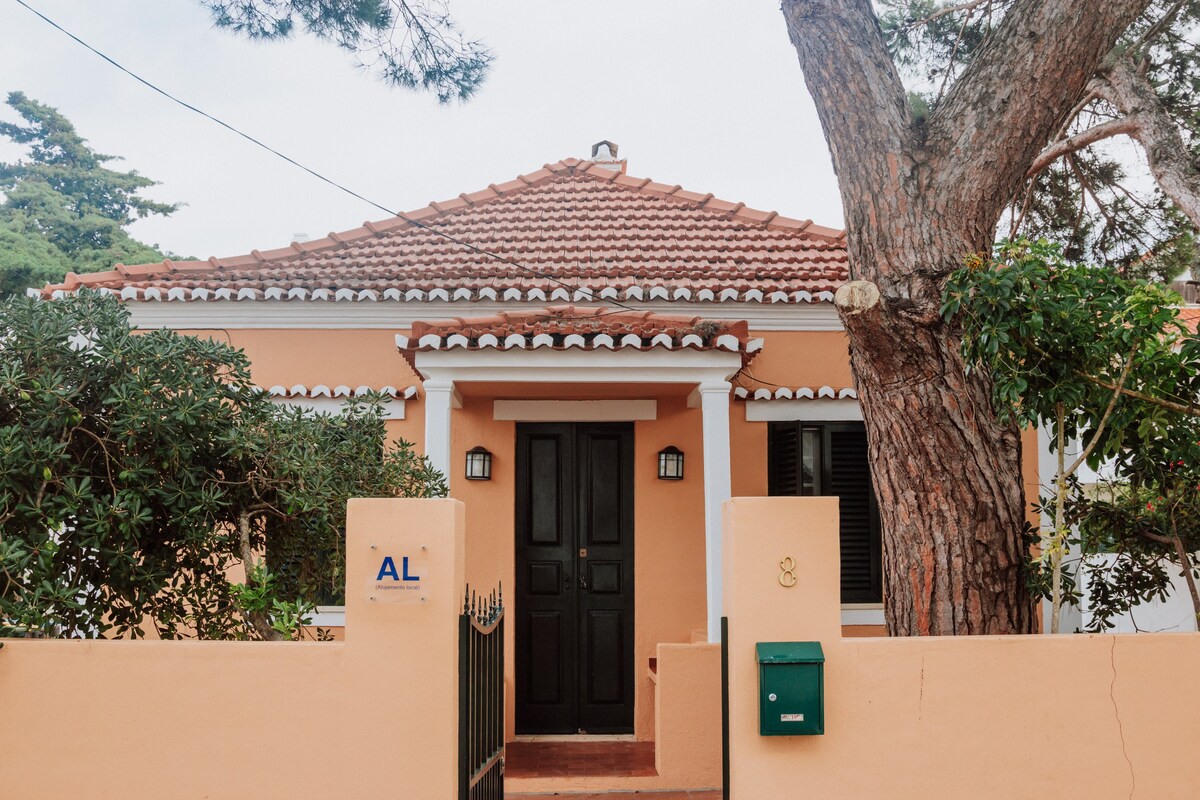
(985, 717)
(373, 716)
(1072, 716)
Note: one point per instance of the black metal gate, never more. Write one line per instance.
(481, 698)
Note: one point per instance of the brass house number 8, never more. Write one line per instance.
(787, 574)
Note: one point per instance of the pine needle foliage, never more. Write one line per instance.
(414, 44)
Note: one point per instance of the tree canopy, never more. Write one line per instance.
(926, 180)
(409, 43)
(137, 467)
(1135, 212)
(65, 210)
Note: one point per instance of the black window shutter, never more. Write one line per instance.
(846, 475)
(783, 459)
(849, 478)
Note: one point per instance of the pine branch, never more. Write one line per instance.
(1156, 131)
(1105, 130)
(1026, 78)
(942, 12)
(1152, 33)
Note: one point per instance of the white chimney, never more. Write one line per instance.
(604, 154)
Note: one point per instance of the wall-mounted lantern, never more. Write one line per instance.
(479, 464)
(670, 464)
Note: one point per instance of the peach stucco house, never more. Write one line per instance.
(582, 326)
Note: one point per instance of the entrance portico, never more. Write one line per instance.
(571, 347)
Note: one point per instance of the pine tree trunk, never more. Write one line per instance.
(920, 194)
(947, 479)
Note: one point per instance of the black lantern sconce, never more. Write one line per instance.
(479, 464)
(670, 464)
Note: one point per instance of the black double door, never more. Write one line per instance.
(574, 565)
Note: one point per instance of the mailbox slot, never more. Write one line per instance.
(791, 688)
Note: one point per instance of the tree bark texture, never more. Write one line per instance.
(918, 196)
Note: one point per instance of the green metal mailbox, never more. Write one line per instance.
(791, 688)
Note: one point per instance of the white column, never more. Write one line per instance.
(714, 408)
(440, 397)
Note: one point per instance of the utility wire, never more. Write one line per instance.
(417, 223)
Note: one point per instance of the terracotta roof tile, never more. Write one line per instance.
(341, 391)
(795, 393)
(1190, 316)
(564, 327)
(572, 223)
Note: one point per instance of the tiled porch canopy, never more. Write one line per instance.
(566, 327)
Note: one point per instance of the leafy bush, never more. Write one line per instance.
(1104, 362)
(138, 468)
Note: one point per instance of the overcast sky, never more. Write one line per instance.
(702, 93)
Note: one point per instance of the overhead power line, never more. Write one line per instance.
(259, 143)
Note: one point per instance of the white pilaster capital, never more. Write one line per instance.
(436, 390)
(707, 390)
(707, 387)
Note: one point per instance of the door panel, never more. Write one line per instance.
(602, 489)
(574, 540)
(604, 577)
(545, 578)
(547, 634)
(605, 681)
(545, 640)
(544, 489)
(605, 461)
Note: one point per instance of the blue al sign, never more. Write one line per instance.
(398, 579)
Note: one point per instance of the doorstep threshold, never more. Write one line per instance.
(575, 737)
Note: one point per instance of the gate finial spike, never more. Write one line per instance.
(466, 598)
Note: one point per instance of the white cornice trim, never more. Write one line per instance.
(821, 410)
(763, 316)
(574, 410)
(579, 294)
(577, 366)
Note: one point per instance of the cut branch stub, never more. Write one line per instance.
(856, 297)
